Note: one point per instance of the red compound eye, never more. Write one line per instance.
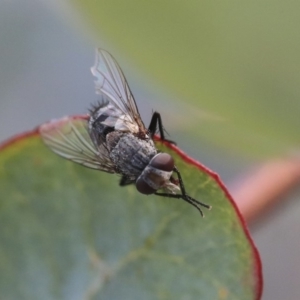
(163, 161)
(143, 187)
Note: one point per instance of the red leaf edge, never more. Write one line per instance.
(258, 268)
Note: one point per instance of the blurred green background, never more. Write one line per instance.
(235, 64)
(224, 75)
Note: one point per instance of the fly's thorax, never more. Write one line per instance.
(129, 153)
(156, 175)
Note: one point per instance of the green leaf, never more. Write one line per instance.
(236, 64)
(68, 232)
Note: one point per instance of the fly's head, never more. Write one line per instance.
(157, 175)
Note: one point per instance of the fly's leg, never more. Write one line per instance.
(197, 204)
(157, 122)
(125, 181)
(185, 195)
(187, 199)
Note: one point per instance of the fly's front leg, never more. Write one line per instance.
(184, 196)
(157, 122)
(177, 196)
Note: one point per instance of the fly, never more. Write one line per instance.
(113, 138)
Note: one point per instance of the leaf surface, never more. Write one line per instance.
(68, 232)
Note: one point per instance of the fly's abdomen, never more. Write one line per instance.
(130, 154)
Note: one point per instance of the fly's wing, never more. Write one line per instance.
(69, 138)
(112, 83)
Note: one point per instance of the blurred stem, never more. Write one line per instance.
(266, 185)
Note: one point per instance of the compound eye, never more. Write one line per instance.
(163, 162)
(143, 187)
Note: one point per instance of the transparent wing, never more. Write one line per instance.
(69, 138)
(112, 83)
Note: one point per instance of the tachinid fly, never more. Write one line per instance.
(113, 138)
